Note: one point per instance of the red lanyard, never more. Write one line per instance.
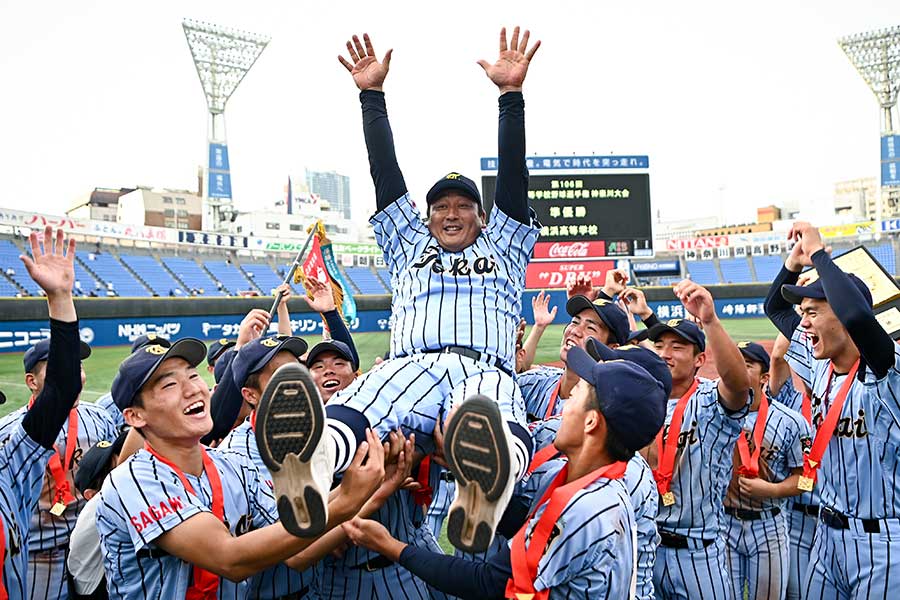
(58, 469)
(525, 561)
(423, 495)
(750, 462)
(806, 407)
(813, 460)
(666, 450)
(3, 595)
(206, 584)
(551, 404)
(541, 456)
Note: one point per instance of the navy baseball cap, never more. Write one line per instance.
(639, 355)
(632, 401)
(222, 363)
(148, 339)
(254, 356)
(453, 182)
(635, 337)
(796, 293)
(137, 369)
(687, 330)
(609, 312)
(217, 348)
(96, 463)
(41, 351)
(336, 346)
(756, 353)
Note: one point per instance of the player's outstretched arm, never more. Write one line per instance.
(52, 266)
(734, 383)
(543, 318)
(779, 369)
(204, 541)
(369, 75)
(322, 301)
(508, 74)
(780, 311)
(284, 315)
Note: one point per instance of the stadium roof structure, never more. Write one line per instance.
(876, 56)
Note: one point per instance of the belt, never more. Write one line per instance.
(674, 540)
(807, 509)
(751, 515)
(447, 476)
(836, 520)
(373, 564)
(473, 354)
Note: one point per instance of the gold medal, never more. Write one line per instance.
(805, 483)
(668, 499)
(58, 509)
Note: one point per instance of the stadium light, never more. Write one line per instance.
(876, 56)
(223, 57)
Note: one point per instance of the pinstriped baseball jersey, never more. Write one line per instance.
(471, 298)
(645, 501)
(792, 398)
(537, 386)
(858, 472)
(106, 403)
(591, 551)
(785, 436)
(544, 432)
(94, 425)
(144, 498)
(700, 477)
(22, 465)
(279, 580)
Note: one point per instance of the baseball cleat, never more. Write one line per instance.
(290, 427)
(478, 454)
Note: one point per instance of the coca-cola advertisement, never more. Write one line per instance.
(556, 274)
(569, 250)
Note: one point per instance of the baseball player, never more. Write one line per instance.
(578, 538)
(60, 501)
(162, 511)
(457, 298)
(106, 401)
(767, 465)
(850, 364)
(30, 441)
(216, 350)
(703, 422)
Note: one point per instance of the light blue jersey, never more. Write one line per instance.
(538, 386)
(144, 498)
(106, 403)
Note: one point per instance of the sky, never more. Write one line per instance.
(738, 105)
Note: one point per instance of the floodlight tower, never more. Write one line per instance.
(223, 56)
(876, 56)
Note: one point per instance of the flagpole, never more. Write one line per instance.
(290, 274)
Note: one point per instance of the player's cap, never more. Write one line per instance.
(222, 363)
(796, 293)
(687, 330)
(336, 346)
(639, 355)
(453, 182)
(254, 356)
(147, 339)
(632, 401)
(612, 316)
(756, 353)
(638, 336)
(217, 348)
(96, 463)
(137, 369)
(41, 351)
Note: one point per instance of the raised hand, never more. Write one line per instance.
(808, 242)
(322, 299)
(362, 477)
(696, 300)
(52, 266)
(367, 72)
(252, 326)
(543, 314)
(616, 280)
(636, 302)
(582, 286)
(508, 73)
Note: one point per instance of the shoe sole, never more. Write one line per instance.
(477, 453)
(290, 421)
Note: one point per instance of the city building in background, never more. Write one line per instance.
(332, 188)
(100, 204)
(175, 209)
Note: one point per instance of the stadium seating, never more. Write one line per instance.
(113, 274)
(385, 276)
(884, 253)
(262, 276)
(192, 276)
(767, 267)
(85, 282)
(10, 263)
(154, 275)
(366, 280)
(703, 272)
(231, 278)
(736, 270)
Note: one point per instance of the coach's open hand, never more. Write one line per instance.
(367, 72)
(508, 73)
(53, 268)
(360, 479)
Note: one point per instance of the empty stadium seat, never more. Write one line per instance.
(262, 276)
(385, 276)
(365, 280)
(767, 267)
(110, 271)
(736, 270)
(703, 271)
(192, 276)
(154, 275)
(10, 263)
(884, 253)
(229, 276)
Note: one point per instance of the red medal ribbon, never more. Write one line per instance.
(206, 584)
(525, 561)
(546, 453)
(666, 449)
(423, 495)
(551, 404)
(750, 462)
(3, 594)
(806, 408)
(813, 460)
(58, 468)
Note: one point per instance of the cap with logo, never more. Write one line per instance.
(148, 339)
(336, 346)
(222, 363)
(217, 348)
(609, 312)
(96, 463)
(632, 401)
(639, 355)
(756, 353)
(683, 328)
(254, 356)
(456, 183)
(796, 293)
(41, 351)
(137, 369)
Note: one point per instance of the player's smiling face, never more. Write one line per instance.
(828, 336)
(455, 221)
(582, 326)
(331, 373)
(680, 355)
(175, 404)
